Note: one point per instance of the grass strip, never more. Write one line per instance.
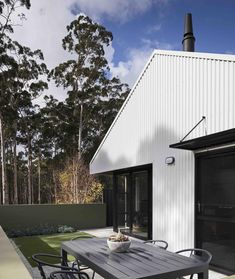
(49, 244)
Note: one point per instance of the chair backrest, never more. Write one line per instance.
(160, 243)
(40, 266)
(42, 260)
(197, 254)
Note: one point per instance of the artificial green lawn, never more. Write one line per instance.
(50, 244)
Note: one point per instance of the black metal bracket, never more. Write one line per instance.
(203, 118)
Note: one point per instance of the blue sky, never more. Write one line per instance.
(138, 27)
(214, 27)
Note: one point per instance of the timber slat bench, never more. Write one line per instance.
(11, 266)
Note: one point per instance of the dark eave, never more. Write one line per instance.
(221, 138)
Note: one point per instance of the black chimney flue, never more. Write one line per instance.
(188, 40)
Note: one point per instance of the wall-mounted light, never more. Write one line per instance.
(170, 160)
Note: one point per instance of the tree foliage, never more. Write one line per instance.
(76, 185)
(45, 151)
(93, 96)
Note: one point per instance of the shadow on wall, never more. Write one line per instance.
(173, 186)
(173, 189)
(106, 161)
(173, 192)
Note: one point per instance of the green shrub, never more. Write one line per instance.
(65, 229)
(41, 229)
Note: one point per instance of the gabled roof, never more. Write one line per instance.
(199, 55)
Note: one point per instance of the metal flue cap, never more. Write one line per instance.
(188, 40)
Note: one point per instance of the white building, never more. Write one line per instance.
(187, 199)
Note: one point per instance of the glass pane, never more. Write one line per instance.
(216, 208)
(123, 206)
(219, 239)
(217, 186)
(107, 181)
(140, 203)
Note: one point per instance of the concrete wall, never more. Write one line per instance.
(31, 217)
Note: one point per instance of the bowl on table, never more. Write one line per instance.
(118, 243)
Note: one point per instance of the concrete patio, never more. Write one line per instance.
(104, 232)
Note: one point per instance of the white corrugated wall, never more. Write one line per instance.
(172, 94)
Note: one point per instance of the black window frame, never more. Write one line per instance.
(130, 171)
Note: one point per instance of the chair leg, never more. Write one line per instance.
(93, 275)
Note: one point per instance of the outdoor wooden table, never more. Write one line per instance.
(141, 260)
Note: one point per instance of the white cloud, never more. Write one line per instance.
(128, 71)
(44, 29)
(154, 28)
(155, 44)
(232, 52)
(119, 10)
(46, 26)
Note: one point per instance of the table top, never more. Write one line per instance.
(141, 260)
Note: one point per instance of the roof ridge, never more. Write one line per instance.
(203, 55)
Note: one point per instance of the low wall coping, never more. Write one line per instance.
(11, 265)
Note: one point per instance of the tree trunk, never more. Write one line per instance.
(75, 171)
(15, 171)
(39, 176)
(73, 184)
(5, 192)
(1, 171)
(55, 188)
(30, 192)
(76, 175)
(80, 132)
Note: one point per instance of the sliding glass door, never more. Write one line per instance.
(140, 197)
(215, 207)
(133, 202)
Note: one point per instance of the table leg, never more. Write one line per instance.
(203, 275)
(64, 255)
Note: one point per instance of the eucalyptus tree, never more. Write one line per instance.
(57, 125)
(51, 135)
(8, 68)
(20, 83)
(58, 134)
(27, 86)
(38, 149)
(86, 76)
(102, 114)
(7, 9)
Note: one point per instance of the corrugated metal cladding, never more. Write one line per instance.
(172, 94)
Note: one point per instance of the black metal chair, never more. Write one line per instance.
(199, 255)
(65, 274)
(42, 261)
(78, 263)
(160, 243)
